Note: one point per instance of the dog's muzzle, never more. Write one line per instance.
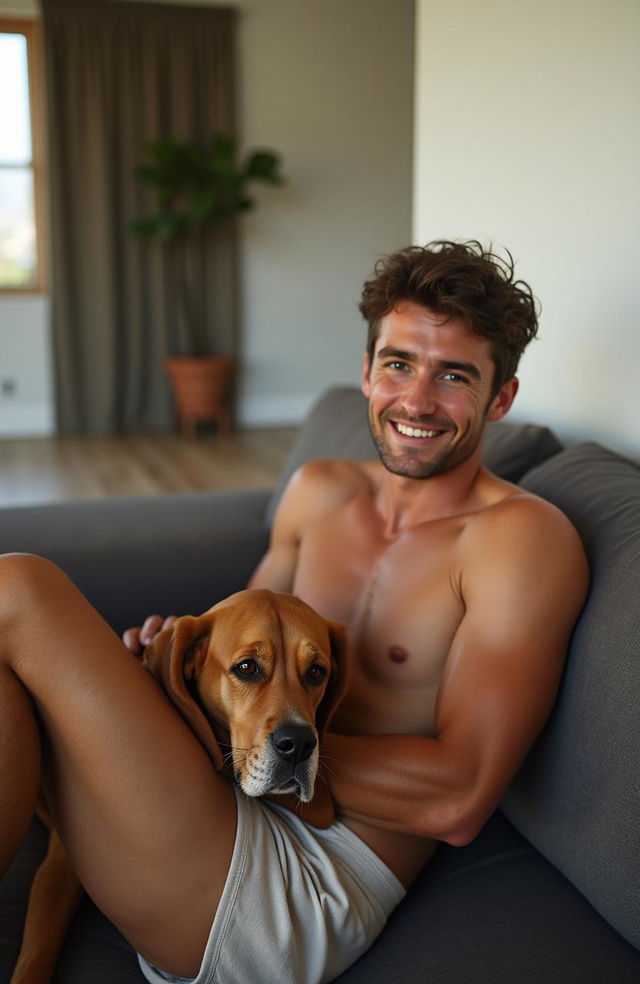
(294, 743)
(287, 762)
(294, 763)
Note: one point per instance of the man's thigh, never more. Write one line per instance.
(148, 824)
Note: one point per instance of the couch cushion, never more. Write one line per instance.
(337, 427)
(577, 796)
(512, 449)
(131, 556)
(495, 912)
(94, 952)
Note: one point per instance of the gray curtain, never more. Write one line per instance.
(119, 75)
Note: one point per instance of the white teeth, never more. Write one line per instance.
(415, 431)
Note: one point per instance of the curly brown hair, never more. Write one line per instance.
(457, 280)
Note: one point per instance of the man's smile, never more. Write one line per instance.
(410, 431)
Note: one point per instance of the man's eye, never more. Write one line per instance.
(246, 668)
(316, 674)
(454, 377)
(400, 366)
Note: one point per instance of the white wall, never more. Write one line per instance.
(330, 85)
(26, 400)
(528, 135)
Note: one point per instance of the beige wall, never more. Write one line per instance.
(19, 8)
(528, 135)
(330, 85)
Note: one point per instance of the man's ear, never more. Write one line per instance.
(501, 403)
(364, 381)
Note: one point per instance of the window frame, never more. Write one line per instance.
(30, 28)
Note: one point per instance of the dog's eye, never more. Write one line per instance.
(316, 674)
(246, 668)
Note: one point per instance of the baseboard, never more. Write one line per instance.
(28, 420)
(274, 411)
(265, 411)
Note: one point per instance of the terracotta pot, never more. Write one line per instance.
(202, 389)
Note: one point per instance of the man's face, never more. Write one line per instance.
(429, 390)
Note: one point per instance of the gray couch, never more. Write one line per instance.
(549, 892)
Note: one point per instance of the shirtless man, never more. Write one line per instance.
(459, 592)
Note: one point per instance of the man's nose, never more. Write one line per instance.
(419, 398)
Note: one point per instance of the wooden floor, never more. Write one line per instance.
(36, 470)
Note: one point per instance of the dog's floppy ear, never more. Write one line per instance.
(175, 656)
(337, 685)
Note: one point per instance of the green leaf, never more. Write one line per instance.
(263, 165)
(222, 147)
(165, 226)
(199, 185)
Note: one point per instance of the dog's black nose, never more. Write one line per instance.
(294, 742)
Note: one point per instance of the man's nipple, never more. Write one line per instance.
(398, 655)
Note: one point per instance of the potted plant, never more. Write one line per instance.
(199, 188)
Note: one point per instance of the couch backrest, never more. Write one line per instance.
(337, 427)
(577, 797)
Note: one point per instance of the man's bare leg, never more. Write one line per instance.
(148, 824)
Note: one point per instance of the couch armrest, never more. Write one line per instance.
(132, 557)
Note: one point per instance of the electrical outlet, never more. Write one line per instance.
(8, 387)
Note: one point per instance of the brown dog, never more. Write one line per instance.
(257, 678)
(259, 674)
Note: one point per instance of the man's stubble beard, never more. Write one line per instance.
(410, 465)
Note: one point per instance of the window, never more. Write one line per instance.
(21, 266)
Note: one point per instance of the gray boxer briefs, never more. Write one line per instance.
(299, 905)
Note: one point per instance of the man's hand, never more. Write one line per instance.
(136, 638)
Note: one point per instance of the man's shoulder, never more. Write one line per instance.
(514, 505)
(324, 484)
(523, 560)
(522, 523)
(341, 477)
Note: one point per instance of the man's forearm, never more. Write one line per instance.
(405, 783)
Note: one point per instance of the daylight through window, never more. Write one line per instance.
(19, 261)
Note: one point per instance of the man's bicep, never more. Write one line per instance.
(316, 489)
(277, 569)
(492, 703)
(505, 664)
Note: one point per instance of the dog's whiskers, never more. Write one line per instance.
(323, 766)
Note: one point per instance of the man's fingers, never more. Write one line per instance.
(131, 639)
(150, 628)
(136, 638)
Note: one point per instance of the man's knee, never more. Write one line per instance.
(24, 580)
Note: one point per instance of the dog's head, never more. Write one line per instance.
(261, 672)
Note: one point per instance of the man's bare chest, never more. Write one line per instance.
(399, 599)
